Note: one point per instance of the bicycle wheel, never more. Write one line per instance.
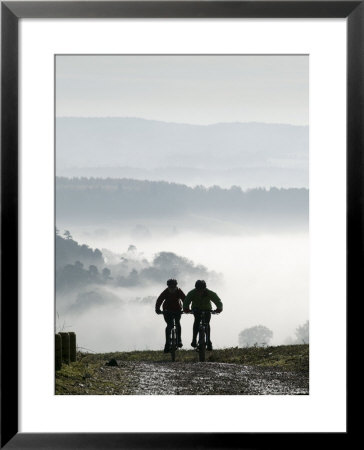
(201, 345)
(173, 344)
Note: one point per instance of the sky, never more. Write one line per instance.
(198, 89)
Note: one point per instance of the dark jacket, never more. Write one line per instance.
(202, 299)
(171, 300)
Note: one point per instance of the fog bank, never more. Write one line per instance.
(262, 280)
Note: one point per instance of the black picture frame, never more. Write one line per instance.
(11, 12)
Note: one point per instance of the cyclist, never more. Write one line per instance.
(201, 299)
(172, 305)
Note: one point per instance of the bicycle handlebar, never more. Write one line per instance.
(212, 311)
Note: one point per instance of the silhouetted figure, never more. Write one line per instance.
(201, 299)
(171, 298)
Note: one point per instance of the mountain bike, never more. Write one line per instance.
(203, 335)
(173, 343)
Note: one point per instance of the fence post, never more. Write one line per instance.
(65, 347)
(72, 346)
(58, 351)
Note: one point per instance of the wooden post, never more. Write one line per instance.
(65, 347)
(72, 346)
(58, 351)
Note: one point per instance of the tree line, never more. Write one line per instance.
(96, 198)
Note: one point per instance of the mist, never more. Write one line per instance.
(158, 176)
(261, 279)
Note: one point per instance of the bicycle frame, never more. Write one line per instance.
(204, 333)
(174, 338)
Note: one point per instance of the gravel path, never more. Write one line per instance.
(208, 378)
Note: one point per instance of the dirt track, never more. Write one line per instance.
(208, 378)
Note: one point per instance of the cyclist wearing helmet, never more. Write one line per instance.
(171, 298)
(201, 299)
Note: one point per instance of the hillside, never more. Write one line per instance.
(68, 251)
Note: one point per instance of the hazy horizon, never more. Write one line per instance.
(248, 155)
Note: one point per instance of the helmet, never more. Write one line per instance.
(172, 282)
(200, 284)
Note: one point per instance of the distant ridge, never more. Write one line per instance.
(268, 154)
